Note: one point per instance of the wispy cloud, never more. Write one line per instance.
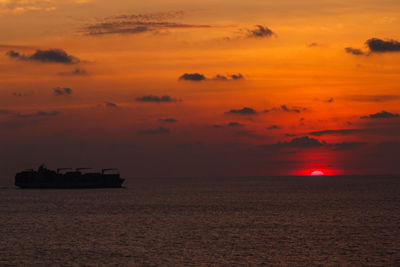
(138, 23)
(110, 104)
(168, 120)
(381, 115)
(156, 131)
(156, 99)
(373, 98)
(336, 132)
(75, 72)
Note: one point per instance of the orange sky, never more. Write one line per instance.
(311, 104)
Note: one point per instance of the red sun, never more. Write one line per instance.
(317, 173)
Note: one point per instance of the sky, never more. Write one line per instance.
(201, 88)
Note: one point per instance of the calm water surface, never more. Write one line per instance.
(303, 221)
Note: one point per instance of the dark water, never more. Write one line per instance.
(308, 221)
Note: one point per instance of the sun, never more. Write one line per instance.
(317, 173)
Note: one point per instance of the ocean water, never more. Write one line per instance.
(281, 221)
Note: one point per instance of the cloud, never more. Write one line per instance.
(62, 91)
(381, 46)
(354, 51)
(22, 6)
(38, 114)
(219, 77)
(243, 111)
(249, 134)
(335, 132)
(110, 104)
(273, 127)
(155, 16)
(381, 115)
(195, 77)
(330, 100)
(22, 94)
(299, 142)
(217, 126)
(238, 76)
(260, 32)
(77, 72)
(46, 56)
(235, 124)
(374, 98)
(156, 131)
(168, 120)
(138, 23)
(230, 125)
(313, 44)
(156, 99)
(5, 112)
(347, 146)
(285, 108)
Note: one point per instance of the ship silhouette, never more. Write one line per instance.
(45, 178)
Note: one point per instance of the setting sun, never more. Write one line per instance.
(317, 173)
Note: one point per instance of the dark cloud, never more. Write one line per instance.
(77, 72)
(330, 100)
(231, 125)
(156, 131)
(156, 99)
(381, 46)
(46, 56)
(273, 127)
(231, 77)
(381, 115)
(243, 111)
(217, 126)
(354, 51)
(374, 98)
(62, 91)
(5, 112)
(299, 142)
(336, 132)
(22, 94)
(156, 16)
(313, 44)
(196, 77)
(249, 134)
(110, 104)
(137, 23)
(235, 124)
(304, 141)
(347, 146)
(168, 120)
(38, 114)
(260, 32)
(220, 77)
(285, 108)
(238, 76)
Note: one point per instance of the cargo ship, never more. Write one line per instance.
(61, 178)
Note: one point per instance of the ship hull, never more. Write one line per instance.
(47, 179)
(67, 185)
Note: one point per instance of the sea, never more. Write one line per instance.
(206, 221)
